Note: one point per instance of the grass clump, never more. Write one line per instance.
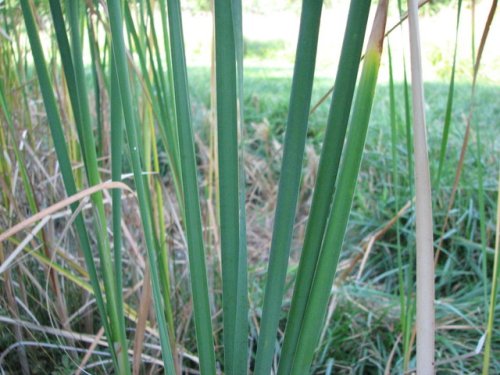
(252, 230)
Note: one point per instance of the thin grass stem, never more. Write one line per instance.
(424, 222)
(193, 225)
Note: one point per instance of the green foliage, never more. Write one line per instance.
(199, 5)
(263, 49)
(214, 154)
(436, 5)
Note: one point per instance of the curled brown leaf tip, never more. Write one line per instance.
(376, 40)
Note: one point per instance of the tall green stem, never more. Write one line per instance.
(296, 131)
(342, 200)
(193, 225)
(327, 173)
(121, 64)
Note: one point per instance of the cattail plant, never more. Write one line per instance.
(125, 143)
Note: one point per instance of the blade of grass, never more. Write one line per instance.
(295, 137)
(162, 246)
(33, 205)
(5, 168)
(68, 68)
(120, 58)
(410, 303)
(496, 272)
(424, 223)
(193, 225)
(19, 156)
(227, 138)
(480, 171)
(68, 272)
(97, 70)
(169, 94)
(342, 199)
(482, 213)
(395, 178)
(164, 112)
(494, 288)
(8, 291)
(151, 157)
(327, 173)
(144, 306)
(449, 103)
(65, 165)
(155, 53)
(463, 150)
(116, 119)
(409, 277)
(240, 360)
(91, 165)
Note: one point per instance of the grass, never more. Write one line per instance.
(290, 173)
(367, 310)
(198, 209)
(371, 302)
(266, 102)
(376, 207)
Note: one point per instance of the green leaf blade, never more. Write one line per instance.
(288, 190)
(327, 173)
